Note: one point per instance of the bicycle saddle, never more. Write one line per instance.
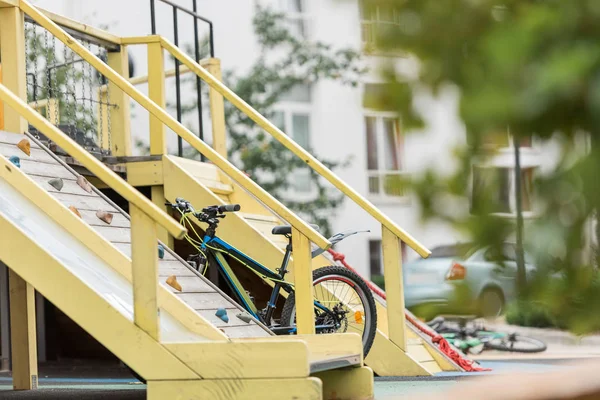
(287, 229)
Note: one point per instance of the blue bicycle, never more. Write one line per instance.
(342, 300)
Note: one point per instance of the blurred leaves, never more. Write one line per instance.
(530, 67)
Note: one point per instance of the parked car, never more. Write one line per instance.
(431, 284)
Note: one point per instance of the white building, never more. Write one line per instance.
(332, 117)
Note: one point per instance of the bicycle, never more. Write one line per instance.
(477, 338)
(343, 301)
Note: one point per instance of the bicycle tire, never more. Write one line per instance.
(516, 344)
(289, 308)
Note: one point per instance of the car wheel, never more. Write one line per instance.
(491, 303)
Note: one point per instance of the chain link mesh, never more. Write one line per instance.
(61, 83)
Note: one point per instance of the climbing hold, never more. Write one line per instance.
(56, 183)
(75, 211)
(244, 317)
(105, 216)
(161, 251)
(84, 184)
(172, 281)
(222, 313)
(25, 146)
(15, 160)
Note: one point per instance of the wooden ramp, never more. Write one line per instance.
(81, 264)
(250, 231)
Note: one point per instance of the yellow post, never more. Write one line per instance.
(158, 137)
(144, 265)
(103, 116)
(12, 54)
(52, 111)
(305, 315)
(22, 332)
(392, 270)
(217, 110)
(1, 105)
(156, 92)
(119, 113)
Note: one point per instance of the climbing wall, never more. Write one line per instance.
(74, 191)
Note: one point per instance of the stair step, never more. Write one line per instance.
(206, 173)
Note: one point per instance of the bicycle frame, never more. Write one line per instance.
(216, 247)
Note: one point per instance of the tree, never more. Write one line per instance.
(285, 61)
(530, 66)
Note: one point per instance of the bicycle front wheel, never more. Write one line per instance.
(516, 343)
(343, 303)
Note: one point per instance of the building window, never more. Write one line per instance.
(376, 256)
(493, 190)
(384, 156)
(292, 116)
(296, 17)
(375, 21)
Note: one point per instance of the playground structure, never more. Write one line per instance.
(116, 290)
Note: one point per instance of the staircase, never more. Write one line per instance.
(197, 291)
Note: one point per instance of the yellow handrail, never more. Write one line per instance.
(175, 126)
(295, 148)
(91, 163)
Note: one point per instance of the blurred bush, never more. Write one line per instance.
(530, 313)
(569, 300)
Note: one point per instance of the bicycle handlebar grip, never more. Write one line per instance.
(229, 208)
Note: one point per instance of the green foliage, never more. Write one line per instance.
(284, 62)
(531, 67)
(533, 314)
(379, 280)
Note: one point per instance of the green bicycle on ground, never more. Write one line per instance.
(474, 338)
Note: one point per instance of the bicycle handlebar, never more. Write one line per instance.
(209, 212)
(229, 208)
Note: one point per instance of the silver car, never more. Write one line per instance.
(460, 279)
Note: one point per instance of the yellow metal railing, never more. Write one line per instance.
(115, 72)
(391, 232)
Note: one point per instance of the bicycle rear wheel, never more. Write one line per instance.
(348, 301)
(516, 343)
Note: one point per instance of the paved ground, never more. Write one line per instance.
(104, 382)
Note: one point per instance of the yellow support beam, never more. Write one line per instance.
(217, 110)
(253, 359)
(91, 163)
(156, 92)
(237, 389)
(145, 173)
(305, 309)
(347, 383)
(392, 270)
(144, 265)
(23, 333)
(1, 105)
(120, 114)
(12, 54)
